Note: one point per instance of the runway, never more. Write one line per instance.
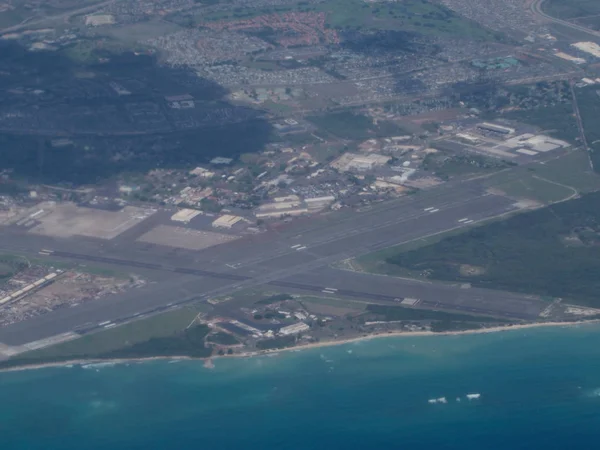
(296, 257)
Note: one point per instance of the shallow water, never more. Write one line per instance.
(540, 388)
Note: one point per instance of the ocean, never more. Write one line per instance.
(539, 389)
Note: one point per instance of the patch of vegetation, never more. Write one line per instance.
(446, 166)
(274, 299)
(419, 16)
(190, 342)
(10, 265)
(525, 253)
(571, 9)
(110, 136)
(530, 186)
(355, 126)
(547, 105)
(588, 100)
(277, 342)
(394, 313)
(448, 325)
(95, 345)
(222, 338)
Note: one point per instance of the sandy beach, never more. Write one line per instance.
(208, 361)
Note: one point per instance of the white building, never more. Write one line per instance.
(294, 329)
(185, 215)
(226, 221)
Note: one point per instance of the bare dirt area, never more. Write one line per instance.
(67, 289)
(184, 237)
(68, 219)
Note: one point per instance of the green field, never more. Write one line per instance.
(394, 313)
(115, 340)
(354, 126)
(415, 16)
(419, 16)
(550, 252)
(588, 100)
(550, 182)
(558, 120)
(572, 170)
(531, 187)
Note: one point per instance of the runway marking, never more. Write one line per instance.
(301, 248)
(429, 209)
(101, 324)
(331, 289)
(45, 250)
(44, 253)
(296, 246)
(326, 291)
(468, 221)
(434, 210)
(464, 220)
(110, 325)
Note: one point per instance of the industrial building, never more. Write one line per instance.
(588, 47)
(281, 212)
(226, 221)
(532, 144)
(221, 161)
(185, 215)
(486, 126)
(294, 329)
(319, 203)
(359, 163)
(29, 288)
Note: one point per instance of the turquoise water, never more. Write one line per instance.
(539, 389)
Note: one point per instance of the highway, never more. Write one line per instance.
(537, 10)
(295, 258)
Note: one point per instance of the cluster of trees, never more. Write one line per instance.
(526, 253)
(390, 313)
(190, 342)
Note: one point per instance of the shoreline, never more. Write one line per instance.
(208, 360)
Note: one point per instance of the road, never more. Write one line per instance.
(580, 127)
(275, 259)
(536, 8)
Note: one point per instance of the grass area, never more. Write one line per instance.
(446, 166)
(588, 100)
(355, 126)
(537, 182)
(420, 16)
(393, 313)
(417, 16)
(274, 299)
(189, 342)
(277, 108)
(569, 9)
(377, 262)
(572, 170)
(222, 338)
(277, 342)
(526, 253)
(99, 344)
(10, 265)
(531, 186)
(335, 302)
(558, 120)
